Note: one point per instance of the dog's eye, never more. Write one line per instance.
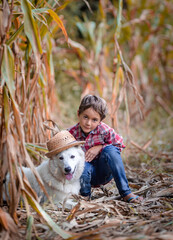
(72, 156)
(61, 158)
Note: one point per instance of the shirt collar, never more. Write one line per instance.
(96, 130)
(82, 134)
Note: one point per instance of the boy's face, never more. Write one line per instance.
(89, 120)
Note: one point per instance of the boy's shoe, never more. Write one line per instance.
(132, 198)
(86, 198)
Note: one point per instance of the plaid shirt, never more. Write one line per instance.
(101, 135)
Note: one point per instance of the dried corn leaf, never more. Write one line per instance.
(7, 222)
(168, 192)
(58, 21)
(35, 205)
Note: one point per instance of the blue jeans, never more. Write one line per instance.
(101, 170)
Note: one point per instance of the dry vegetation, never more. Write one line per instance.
(107, 217)
(51, 54)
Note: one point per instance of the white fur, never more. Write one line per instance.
(53, 175)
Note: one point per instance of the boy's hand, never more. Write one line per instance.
(92, 153)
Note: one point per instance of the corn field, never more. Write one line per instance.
(52, 53)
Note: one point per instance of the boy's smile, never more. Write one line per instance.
(89, 120)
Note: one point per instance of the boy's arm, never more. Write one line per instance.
(92, 153)
(112, 138)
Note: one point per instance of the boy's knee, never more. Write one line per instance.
(111, 150)
(111, 153)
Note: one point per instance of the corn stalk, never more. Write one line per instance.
(27, 94)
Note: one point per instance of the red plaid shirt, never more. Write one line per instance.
(101, 135)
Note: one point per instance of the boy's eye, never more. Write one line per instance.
(95, 120)
(85, 117)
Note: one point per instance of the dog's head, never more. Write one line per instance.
(69, 163)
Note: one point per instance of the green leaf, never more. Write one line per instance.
(40, 10)
(30, 28)
(29, 228)
(14, 36)
(99, 44)
(7, 69)
(119, 17)
(91, 26)
(49, 55)
(38, 148)
(82, 29)
(35, 153)
(6, 108)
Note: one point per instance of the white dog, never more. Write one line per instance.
(60, 175)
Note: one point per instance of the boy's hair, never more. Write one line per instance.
(97, 103)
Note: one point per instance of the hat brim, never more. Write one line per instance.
(58, 150)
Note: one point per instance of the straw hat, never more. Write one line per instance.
(60, 142)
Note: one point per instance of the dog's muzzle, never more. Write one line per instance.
(67, 170)
(68, 173)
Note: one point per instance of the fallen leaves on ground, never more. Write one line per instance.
(106, 216)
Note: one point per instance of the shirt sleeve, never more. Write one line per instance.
(73, 130)
(112, 138)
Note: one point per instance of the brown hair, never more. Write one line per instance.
(97, 103)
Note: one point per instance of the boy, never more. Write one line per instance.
(102, 149)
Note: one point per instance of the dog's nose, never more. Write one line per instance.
(67, 169)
